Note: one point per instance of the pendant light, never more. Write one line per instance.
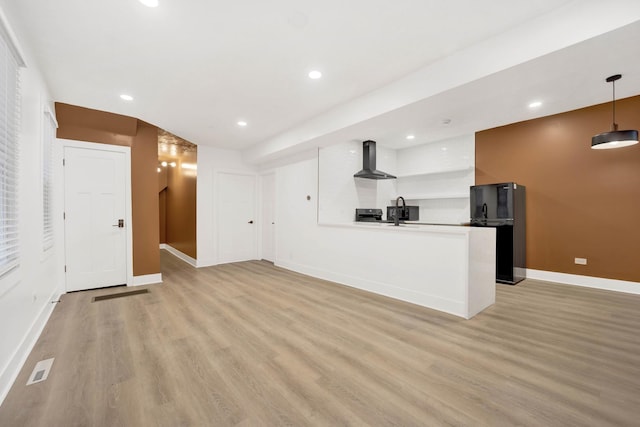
(616, 138)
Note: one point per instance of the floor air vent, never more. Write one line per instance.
(40, 371)
(120, 295)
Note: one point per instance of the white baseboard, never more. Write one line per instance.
(10, 373)
(184, 257)
(586, 281)
(146, 279)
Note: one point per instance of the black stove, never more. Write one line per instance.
(368, 215)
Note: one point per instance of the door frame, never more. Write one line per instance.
(218, 202)
(128, 212)
(262, 214)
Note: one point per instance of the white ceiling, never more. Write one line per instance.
(196, 67)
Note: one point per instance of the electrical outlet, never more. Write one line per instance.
(581, 261)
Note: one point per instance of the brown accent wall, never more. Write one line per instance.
(181, 207)
(580, 202)
(89, 125)
(162, 204)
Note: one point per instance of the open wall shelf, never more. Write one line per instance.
(437, 172)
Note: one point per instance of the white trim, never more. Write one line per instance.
(11, 39)
(19, 357)
(184, 257)
(128, 210)
(586, 281)
(147, 279)
(261, 214)
(52, 116)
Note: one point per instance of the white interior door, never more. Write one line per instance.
(268, 191)
(95, 212)
(236, 217)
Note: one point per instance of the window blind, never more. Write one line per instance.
(9, 156)
(49, 126)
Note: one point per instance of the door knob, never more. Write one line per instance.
(251, 222)
(120, 223)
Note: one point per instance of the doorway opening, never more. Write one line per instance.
(177, 179)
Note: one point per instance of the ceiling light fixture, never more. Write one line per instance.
(535, 104)
(164, 164)
(126, 97)
(149, 3)
(242, 123)
(315, 74)
(615, 138)
(411, 136)
(172, 164)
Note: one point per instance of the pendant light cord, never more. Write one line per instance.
(615, 125)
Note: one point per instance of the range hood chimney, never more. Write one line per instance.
(369, 170)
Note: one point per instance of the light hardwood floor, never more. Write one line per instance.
(251, 344)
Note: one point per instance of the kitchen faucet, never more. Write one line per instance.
(396, 219)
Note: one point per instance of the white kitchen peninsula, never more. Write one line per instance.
(447, 268)
(450, 268)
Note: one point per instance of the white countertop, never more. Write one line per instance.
(405, 227)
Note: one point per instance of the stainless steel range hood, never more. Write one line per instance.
(369, 170)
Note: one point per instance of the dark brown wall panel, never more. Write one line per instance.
(580, 202)
(107, 128)
(181, 207)
(84, 124)
(162, 202)
(144, 195)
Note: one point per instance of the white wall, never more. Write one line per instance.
(436, 177)
(210, 161)
(27, 293)
(340, 193)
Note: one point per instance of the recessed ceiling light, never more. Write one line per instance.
(535, 104)
(411, 136)
(172, 164)
(164, 164)
(444, 148)
(242, 123)
(149, 3)
(126, 97)
(315, 74)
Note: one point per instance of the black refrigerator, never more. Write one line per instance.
(502, 206)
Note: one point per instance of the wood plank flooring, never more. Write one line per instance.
(249, 344)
